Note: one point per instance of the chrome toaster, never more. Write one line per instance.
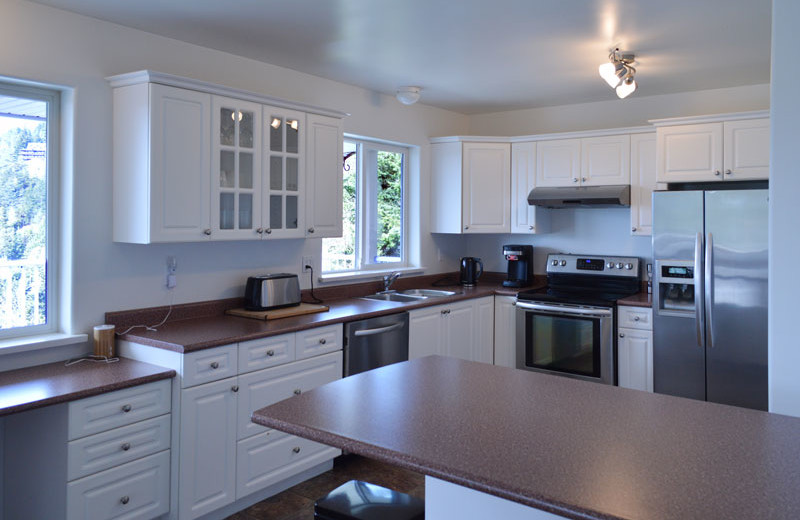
(271, 291)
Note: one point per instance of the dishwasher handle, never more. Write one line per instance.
(379, 330)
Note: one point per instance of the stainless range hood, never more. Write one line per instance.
(581, 197)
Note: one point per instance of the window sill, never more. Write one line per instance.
(366, 275)
(38, 342)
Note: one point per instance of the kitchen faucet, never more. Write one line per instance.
(389, 279)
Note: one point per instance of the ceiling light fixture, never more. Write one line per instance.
(619, 72)
(408, 95)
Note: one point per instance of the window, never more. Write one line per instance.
(374, 229)
(28, 158)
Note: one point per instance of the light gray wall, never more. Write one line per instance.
(784, 238)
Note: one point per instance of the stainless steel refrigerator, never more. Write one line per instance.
(710, 295)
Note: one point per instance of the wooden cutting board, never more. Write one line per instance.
(298, 310)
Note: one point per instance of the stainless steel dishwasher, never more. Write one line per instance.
(375, 342)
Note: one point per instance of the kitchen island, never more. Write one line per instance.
(529, 443)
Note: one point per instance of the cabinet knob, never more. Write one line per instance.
(259, 230)
(214, 365)
(296, 449)
(206, 231)
(717, 173)
(297, 391)
(531, 228)
(621, 334)
(633, 229)
(235, 388)
(124, 500)
(270, 353)
(728, 172)
(574, 179)
(583, 179)
(127, 408)
(636, 318)
(322, 341)
(126, 446)
(268, 231)
(311, 230)
(466, 227)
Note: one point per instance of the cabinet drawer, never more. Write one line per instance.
(266, 387)
(273, 456)
(318, 341)
(114, 409)
(635, 317)
(136, 490)
(266, 352)
(209, 365)
(118, 446)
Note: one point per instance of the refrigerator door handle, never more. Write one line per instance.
(708, 289)
(698, 293)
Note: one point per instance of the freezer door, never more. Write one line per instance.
(736, 297)
(678, 352)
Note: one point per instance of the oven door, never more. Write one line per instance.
(570, 340)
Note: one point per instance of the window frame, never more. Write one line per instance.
(364, 263)
(52, 167)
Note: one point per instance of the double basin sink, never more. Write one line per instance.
(408, 296)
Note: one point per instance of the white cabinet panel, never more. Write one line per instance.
(746, 149)
(605, 160)
(524, 217)
(284, 180)
(319, 340)
(204, 366)
(558, 162)
(505, 330)
(643, 182)
(483, 320)
(687, 153)
(486, 190)
(460, 330)
(635, 359)
(266, 352)
(425, 332)
(324, 176)
(635, 317)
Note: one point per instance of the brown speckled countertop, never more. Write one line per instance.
(574, 448)
(640, 299)
(43, 385)
(200, 326)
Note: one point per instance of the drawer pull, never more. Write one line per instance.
(127, 408)
(270, 353)
(125, 499)
(296, 449)
(322, 341)
(621, 334)
(235, 388)
(214, 365)
(126, 446)
(297, 391)
(636, 318)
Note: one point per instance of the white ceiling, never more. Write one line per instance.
(474, 56)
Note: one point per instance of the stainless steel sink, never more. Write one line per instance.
(394, 297)
(428, 293)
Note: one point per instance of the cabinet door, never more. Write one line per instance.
(460, 340)
(558, 162)
(323, 176)
(483, 338)
(486, 193)
(236, 169)
(207, 448)
(505, 331)
(689, 153)
(635, 359)
(524, 217)
(283, 214)
(746, 149)
(643, 182)
(180, 136)
(425, 332)
(605, 161)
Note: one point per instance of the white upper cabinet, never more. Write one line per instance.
(162, 140)
(524, 217)
(236, 174)
(471, 187)
(713, 151)
(558, 163)
(605, 161)
(643, 182)
(284, 174)
(324, 177)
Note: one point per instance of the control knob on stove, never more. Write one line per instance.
(554, 263)
(628, 266)
(610, 265)
(619, 265)
(563, 263)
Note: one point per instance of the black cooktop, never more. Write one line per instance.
(595, 291)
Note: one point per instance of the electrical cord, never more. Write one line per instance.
(155, 327)
(314, 299)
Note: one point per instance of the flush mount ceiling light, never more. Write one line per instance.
(408, 95)
(619, 72)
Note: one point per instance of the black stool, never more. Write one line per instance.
(357, 500)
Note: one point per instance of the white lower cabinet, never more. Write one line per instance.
(635, 348)
(461, 329)
(505, 331)
(224, 461)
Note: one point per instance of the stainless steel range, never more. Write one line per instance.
(567, 328)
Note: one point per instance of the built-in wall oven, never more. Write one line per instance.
(567, 328)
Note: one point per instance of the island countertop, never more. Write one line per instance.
(573, 448)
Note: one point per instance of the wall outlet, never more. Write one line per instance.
(172, 268)
(306, 260)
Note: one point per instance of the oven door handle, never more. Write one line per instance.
(567, 311)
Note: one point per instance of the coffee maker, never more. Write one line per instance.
(520, 265)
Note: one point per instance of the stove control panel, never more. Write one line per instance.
(623, 266)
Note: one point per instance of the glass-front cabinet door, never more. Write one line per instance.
(284, 173)
(236, 169)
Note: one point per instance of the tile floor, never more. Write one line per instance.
(297, 503)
